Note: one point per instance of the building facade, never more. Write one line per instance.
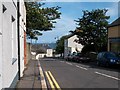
(9, 46)
(1, 45)
(9, 71)
(71, 46)
(114, 36)
(47, 53)
(22, 29)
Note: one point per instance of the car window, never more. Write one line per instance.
(100, 55)
(111, 54)
(78, 54)
(105, 55)
(68, 54)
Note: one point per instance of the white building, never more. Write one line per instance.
(9, 71)
(48, 53)
(42, 50)
(71, 46)
(22, 29)
(1, 45)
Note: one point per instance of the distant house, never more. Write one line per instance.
(114, 36)
(71, 46)
(42, 50)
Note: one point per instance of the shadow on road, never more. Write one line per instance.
(92, 64)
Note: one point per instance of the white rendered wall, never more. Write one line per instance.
(40, 56)
(70, 46)
(49, 53)
(0, 45)
(22, 29)
(21, 52)
(9, 60)
(73, 44)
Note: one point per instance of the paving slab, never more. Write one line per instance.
(31, 76)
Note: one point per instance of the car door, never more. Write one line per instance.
(105, 58)
(101, 58)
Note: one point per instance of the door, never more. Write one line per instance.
(105, 60)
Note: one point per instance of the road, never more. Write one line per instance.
(80, 75)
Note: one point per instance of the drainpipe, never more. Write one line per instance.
(18, 23)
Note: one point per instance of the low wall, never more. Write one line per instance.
(28, 53)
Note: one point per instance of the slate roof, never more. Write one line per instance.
(115, 23)
(68, 36)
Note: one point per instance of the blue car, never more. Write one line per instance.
(108, 58)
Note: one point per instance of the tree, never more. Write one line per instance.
(60, 45)
(39, 19)
(92, 28)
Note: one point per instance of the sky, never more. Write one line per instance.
(72, 11)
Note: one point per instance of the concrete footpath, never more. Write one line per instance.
(31, 77)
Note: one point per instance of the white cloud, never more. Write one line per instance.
(63, 26)
(113, 10)
(65, 21)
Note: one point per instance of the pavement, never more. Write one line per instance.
(31, 77)
(67, 75)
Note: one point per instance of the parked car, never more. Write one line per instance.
(108, 58)
(79, 57)
(92, 56)
(70, 56)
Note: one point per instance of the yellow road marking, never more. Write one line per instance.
(43, 82)
(50, 81)
(55, 82)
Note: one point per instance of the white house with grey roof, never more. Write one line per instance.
(71, 46)
(42, 50)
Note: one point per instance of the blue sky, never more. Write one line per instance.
(72, 11)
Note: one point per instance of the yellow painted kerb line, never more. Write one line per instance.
(55, 82)
(52, 80)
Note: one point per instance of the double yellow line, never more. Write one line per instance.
(53, 83)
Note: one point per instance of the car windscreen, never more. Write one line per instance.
(111, 55)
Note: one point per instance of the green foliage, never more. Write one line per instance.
(92, 28)
(88, 48)
(39, 19)
(91, 48)
(60, 45)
